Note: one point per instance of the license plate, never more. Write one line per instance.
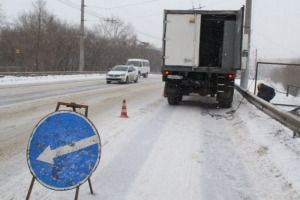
(174, 77)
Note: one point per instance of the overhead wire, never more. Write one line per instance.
(124, 5)
(192, 4)
(155, 37)
(92, 13)
(261, 55)
(78, 7)
(144, 16)
(275, 43)
(252, 22)
(70, 5)
(216, 3)
(257, 32)
(73, 5)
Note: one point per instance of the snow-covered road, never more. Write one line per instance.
(191, 151)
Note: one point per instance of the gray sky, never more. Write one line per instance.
(275, 23)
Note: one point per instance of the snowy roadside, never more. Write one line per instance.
(266, 148)
(10, 80)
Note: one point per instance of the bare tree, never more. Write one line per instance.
(114, 28)
(46, 43)
(108, 44)
(49, 44)
(2, 16)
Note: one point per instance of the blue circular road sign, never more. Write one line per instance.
(63, 150)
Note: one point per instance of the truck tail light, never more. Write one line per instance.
(165, 72)
(231, 76)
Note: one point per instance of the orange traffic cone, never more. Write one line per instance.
(124, 112)
(164, 93)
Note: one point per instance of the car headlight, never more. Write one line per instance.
(122, 74)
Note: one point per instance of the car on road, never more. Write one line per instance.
(122, 73)
(141, 65)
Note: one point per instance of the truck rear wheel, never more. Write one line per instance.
(173, 100)
(180, 97)
(225, 104)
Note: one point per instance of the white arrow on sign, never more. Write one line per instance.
(48, 155)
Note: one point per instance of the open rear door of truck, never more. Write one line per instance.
(238, 39)
(181, 39)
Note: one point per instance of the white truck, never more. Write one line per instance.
(202, 52)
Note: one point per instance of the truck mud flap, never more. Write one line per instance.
(172, 90)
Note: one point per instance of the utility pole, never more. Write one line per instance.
(81, 54)
(247, 34)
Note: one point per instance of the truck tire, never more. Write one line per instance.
(173, 100)
(225, 104)
(180, 97)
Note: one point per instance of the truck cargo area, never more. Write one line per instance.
(212, 39)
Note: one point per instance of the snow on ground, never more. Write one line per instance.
(266, 148)
(9, 80)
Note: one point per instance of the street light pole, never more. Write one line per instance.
(247, 33)
(81, 54)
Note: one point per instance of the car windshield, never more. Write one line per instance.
(120, 68)
(133, 63)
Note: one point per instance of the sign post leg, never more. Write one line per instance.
(90, 184)
(30, 188)
(77, 193)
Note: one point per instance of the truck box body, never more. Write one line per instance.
(201, 53)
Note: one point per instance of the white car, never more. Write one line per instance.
(122, 73)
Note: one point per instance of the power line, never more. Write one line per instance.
(137, 16)
(73, 5)
(154, 37)
(192, 4)
(259, 54)
(143, 16)
(125, 5)
(70, 5)
(77, 7)
(275, 43)
(195, 8)
(216, 3)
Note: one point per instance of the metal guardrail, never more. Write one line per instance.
(50, 73)
(289, 119)
(2, 74)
